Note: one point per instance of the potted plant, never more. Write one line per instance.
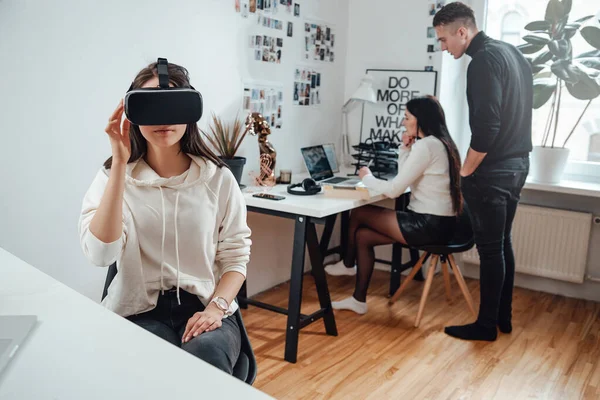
(554, 69)
(226, 139)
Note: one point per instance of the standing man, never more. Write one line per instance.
(500, 97)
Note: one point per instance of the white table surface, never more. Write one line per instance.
(79, 350)
(317, 206)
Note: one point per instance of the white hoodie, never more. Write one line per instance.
(183, 232)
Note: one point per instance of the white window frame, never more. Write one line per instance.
(586, 171)
(510, 32)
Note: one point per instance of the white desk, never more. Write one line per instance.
(79, 350)
(308, 211)
(317, 206)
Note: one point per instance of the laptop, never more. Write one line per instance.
(13, 331)
(317, 164)
(331, 157)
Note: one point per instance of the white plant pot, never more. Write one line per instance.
(548, 164)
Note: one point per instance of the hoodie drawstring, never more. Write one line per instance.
(162, 246)
(177, 245)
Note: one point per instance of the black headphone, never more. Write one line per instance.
(308, 185)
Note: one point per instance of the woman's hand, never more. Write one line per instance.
(364, 171)
(408, 140)
(205, 321)
(118, 132)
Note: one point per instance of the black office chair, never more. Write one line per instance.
(461, 242)
(245, 367)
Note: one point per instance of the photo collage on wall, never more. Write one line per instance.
(268, 22)
(247, 7)
(319, 41)
(307, 87)
(433, 7)
(266, 100)
(266, 48)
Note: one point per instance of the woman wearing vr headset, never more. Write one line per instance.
(164, 208)
(428, 163)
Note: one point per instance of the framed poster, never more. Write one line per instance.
(393, 89)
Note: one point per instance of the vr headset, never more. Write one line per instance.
(163, 105)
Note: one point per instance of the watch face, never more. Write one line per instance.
(222, 303)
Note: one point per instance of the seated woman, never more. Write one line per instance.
(428, 163)
(174, 219)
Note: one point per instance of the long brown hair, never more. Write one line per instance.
(191, 142)
(432, 122)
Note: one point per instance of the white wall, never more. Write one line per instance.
(389, 36)
(65, 65)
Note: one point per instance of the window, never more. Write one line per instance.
(594, 150)
(505, 21)
(512, 24)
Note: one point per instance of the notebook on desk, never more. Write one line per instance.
(317, 164)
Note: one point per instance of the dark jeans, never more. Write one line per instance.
(492, 193)
(220, 347)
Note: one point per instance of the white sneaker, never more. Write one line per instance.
(351, 304)
(339, 269)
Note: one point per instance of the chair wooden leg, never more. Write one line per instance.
(428, 282)
(447, 280)
(462, 284)
(409, 278)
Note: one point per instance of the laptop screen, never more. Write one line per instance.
(316, 162)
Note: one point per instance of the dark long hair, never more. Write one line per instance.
(191, 142)
(432, 122)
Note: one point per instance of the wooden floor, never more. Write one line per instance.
(553, 352)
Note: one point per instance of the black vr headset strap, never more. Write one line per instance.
(163, 73)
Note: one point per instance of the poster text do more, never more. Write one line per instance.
(393, 88)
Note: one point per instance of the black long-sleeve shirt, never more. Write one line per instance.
(500, 98)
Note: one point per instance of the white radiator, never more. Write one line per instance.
(549, 243)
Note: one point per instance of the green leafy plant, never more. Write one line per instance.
(225, 137)
(554, 66)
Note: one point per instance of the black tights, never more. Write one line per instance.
(369, 226)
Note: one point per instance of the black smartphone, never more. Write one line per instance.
(268, 196)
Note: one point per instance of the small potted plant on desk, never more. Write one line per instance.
(226, 139)
(554, 68)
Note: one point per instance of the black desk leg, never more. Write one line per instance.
(242, 294)
(327, 232)
(295, 296)
(344, 233)
(396, 268)
(316, 261)
(326, 237)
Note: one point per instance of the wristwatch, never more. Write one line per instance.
(221, 304)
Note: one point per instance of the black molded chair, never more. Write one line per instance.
(245, 367)
(461, 242)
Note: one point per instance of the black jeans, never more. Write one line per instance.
(492, 193)
(219, 348)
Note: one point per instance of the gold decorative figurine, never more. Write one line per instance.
(268, 156)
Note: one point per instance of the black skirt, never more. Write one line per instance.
(425, 229)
